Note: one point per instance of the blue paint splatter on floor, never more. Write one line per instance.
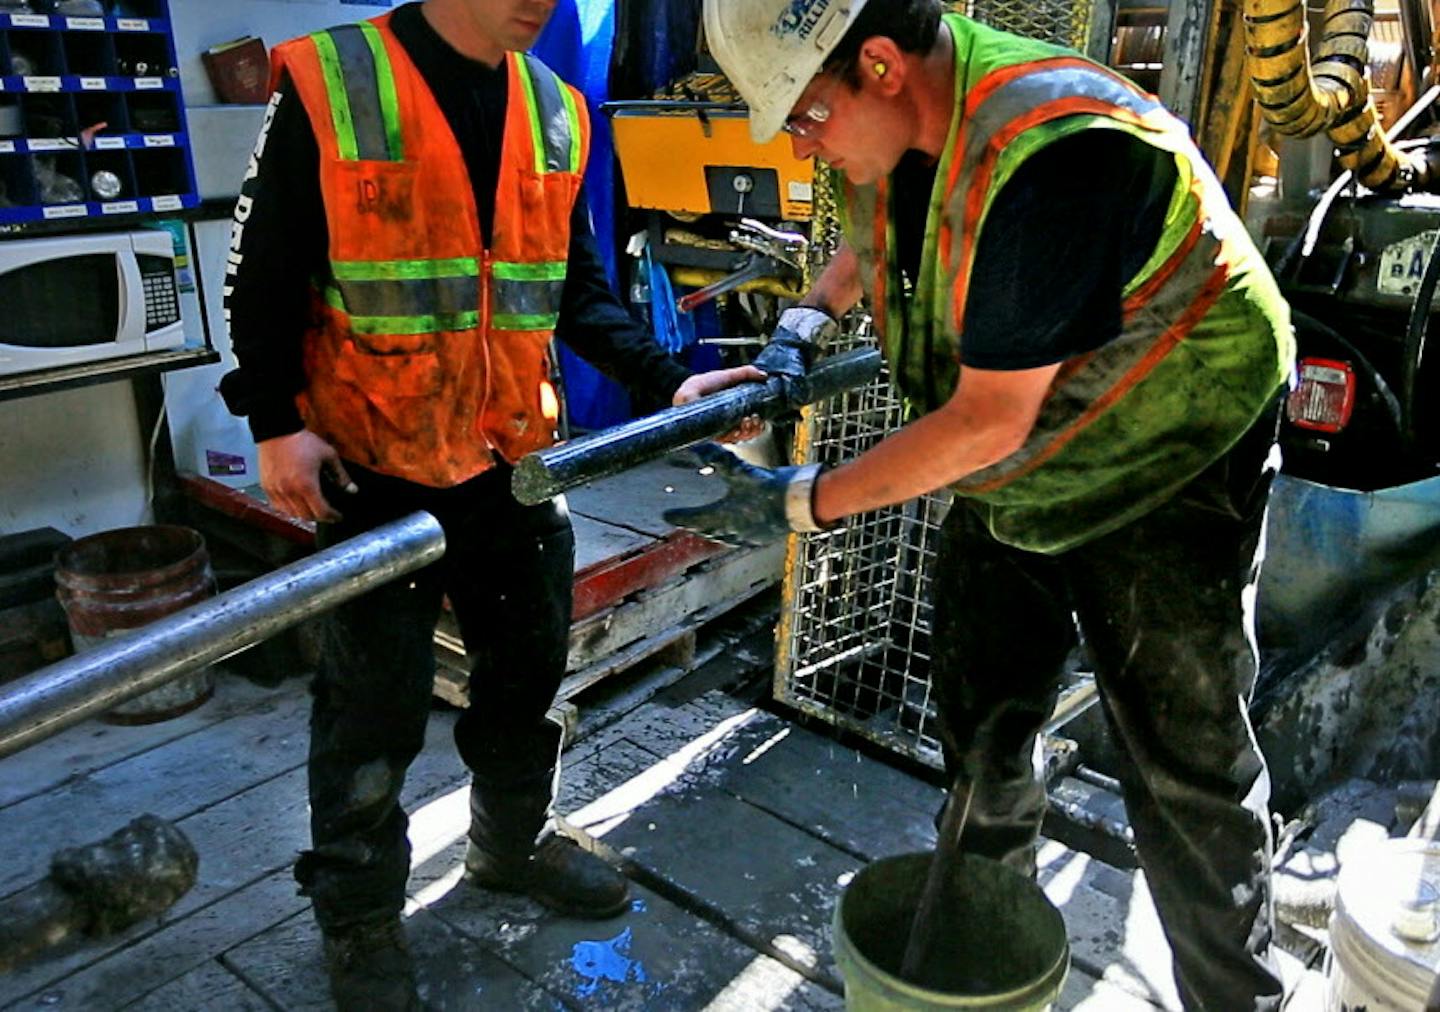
(608, 960)
(638, 905)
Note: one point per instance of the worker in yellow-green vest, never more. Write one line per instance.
(1093, 353)
(410, 235)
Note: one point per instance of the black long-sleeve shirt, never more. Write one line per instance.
(283, 243)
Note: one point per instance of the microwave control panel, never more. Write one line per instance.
(162, 297)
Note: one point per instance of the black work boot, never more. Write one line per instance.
(560, 874)
(515, 849)
(370, 968)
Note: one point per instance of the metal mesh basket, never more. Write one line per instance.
(854, 640)
(1063, 22)
(854, 644)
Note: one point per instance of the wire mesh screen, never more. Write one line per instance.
(854, 638)
(1063, 22)
(855, 625)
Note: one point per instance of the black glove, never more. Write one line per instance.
(792, 347)
(760, 504)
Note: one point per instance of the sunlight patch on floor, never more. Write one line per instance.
(605, 813)
(436, 890)
(1067, 869)
(764, 985)
(438, 824)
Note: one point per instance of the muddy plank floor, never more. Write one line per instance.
(737, 828)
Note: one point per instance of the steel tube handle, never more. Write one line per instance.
(51, 699)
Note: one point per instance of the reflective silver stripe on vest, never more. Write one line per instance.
(1143, 330)
(527, 298)
(410, 297)
(553, 115)
(1067, 404)
(1022, 95)
(1039, 87)
(357, 64)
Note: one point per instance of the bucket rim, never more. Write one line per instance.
(70, 577)
(1362, 949)
(1053, 976)
(1368, 965)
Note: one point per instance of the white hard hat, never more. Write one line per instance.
(771, 49)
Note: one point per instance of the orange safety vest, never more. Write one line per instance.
(429, 353)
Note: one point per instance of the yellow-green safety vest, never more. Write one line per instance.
(1206, 342)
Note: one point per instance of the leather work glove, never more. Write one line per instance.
(760, 504)
(792, 347)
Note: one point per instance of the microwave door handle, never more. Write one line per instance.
(132, 296)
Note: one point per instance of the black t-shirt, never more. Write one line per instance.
(1076, 221)
(472, 95)
(282, 242)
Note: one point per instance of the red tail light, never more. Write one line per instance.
(1325, 397)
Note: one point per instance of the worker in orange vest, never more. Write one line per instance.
(411, 234)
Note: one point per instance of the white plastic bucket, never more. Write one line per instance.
(1385, 931)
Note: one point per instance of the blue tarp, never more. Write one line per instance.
(655, 45)
(577, 44)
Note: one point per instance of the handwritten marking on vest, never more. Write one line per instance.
(384, 195)
(367, 196)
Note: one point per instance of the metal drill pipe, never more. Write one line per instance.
(51, 699)
(547, 473)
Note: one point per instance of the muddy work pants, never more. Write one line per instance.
(508, 572)
(1165, 606)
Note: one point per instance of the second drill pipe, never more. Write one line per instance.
(547, 473)
(47, 701)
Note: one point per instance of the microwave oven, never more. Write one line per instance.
(83, 298)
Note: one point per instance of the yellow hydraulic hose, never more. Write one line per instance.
(1300, 98)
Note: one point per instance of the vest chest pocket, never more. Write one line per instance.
(546, 204)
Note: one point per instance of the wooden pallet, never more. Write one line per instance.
(653, 622)
(642, 587)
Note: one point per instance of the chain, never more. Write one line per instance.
(824, 222)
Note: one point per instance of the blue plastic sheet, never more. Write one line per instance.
(656, 45)
(674, 330)
(577, 44)
(1331, 556)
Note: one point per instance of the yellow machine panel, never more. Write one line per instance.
(702, 161)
